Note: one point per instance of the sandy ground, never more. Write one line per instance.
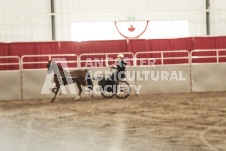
(160, 122)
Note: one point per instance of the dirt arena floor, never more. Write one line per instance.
(159, 122)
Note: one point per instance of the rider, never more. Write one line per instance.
(121, 67)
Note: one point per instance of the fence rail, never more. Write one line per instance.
(9, 63)
(106, 58)
(162, 58)
(50, 56)
(188, 58)
(217, 55)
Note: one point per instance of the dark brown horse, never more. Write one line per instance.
(77, 76)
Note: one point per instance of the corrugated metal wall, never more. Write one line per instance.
(20, 21)
(30, 20)
(218, 17)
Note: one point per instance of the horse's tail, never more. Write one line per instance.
(89, 80)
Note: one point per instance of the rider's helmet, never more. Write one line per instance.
(120, 55)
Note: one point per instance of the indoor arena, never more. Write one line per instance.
(104, 75)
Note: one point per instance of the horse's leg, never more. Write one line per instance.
(57, 89)
(80, 90)
(54, 90)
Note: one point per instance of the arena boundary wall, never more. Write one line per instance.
(208, 77)
(10, 88)
(200, 77)
(10, 80)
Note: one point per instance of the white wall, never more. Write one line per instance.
(29, 20)
(19, 20)
(218, 17)
(118, 10)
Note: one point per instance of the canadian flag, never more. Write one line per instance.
(131, 29)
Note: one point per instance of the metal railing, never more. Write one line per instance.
(50, 56)
(217, 56)
(106, 58)
(10, 64)
(162, 57)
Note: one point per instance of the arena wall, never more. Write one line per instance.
(208, 77)
(33, 81)
(31, 20)
(165, 79)
(10, 88)
(32, 85)
(178, 80)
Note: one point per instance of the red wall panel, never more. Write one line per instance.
(136, 45)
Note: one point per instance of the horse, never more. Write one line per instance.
(77, 76)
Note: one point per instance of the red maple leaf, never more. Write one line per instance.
(131, 29)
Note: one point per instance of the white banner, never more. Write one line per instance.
(132, 29)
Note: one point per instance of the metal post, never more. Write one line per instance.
(217, 51)
(106, 60)
(53, 21)
(207, 17)
(162, 60)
